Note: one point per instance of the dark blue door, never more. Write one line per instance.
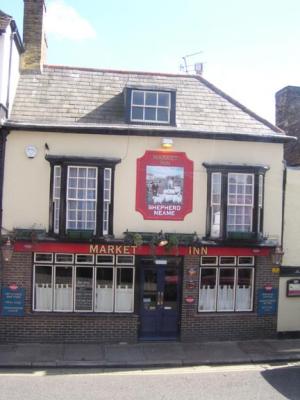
(160, 298)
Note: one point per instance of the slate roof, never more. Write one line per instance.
(4, 20)
(66, 96)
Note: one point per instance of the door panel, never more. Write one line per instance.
(160, 300)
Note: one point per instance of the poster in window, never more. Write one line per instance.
(164, 185)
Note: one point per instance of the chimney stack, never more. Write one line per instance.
(34, 38)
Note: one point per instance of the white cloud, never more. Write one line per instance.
(65, 22)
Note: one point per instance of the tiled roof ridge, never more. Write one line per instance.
(238, 104)
(119, 71)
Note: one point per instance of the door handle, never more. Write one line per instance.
(160, 298)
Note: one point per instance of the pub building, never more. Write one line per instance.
(137, 206)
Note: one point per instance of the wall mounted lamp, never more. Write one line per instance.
(7, 250)
(162, 240)
(277, 255)
(166, 143)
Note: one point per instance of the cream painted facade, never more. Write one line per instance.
(27, 181)
(288, 307)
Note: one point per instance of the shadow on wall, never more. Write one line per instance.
(112, 111)
(285, 380)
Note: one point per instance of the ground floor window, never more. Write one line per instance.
(86, 285)
(224, 289)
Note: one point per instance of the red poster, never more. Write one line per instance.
(164, 188)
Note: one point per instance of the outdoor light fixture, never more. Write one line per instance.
(277, 255)
(162, 240)
(7, 250)
(166, 143)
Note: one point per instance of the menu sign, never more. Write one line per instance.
(13, 302)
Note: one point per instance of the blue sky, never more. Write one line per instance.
(250, 49)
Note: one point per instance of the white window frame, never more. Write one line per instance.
(214, 204)
(91, 262)
(98, 257)
(133, 288)
(35, 266)
(77, 199)
(235, 307)
(106, 199)
(125, 263)
(113, 288)
(42, 262)
(93, 288)
(144, 106)
(94, 265)
(64, 262)
(246, 265)
(252, 288)
(221, 259)
(244, 204)
(56, 199)
(54, 288)
(208, 264)
(234, 288)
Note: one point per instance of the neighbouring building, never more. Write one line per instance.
(11, 47)
(143, 206)
(288, 118)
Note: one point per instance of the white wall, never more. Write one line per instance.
(291, 242)
(5, 40)
(27, 181)
(288, 307)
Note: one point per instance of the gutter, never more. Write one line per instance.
(125, 130)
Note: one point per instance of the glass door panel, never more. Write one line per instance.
(150, 290)
(170, 293)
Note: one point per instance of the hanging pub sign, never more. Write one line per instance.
(164, 187)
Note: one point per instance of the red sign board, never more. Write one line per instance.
(104, 248)
(164, 185)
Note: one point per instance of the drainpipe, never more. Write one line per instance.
(3, 132)
(283, 200)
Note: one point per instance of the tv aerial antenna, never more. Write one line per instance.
(188, 66)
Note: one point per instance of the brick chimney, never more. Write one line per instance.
(34, 38)
(288, 119)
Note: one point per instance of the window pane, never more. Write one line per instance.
(150, 290)
(207, 289)
(151, 99)
(84, 289)
(244, 290)
(150, 114)
(164, 99)
(124, 290)
(104, 290)
(162, 114)
(43, 288)
(215, 221)
(79, 197)
(137, 113)
(63, 289)
(138, 97)
(226, 290)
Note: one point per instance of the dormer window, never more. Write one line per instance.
(150, 106)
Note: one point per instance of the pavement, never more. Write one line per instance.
(148, 354)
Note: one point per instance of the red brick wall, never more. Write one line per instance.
(197, 326)
(59, 327)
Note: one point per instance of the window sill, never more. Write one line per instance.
(63, 314)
